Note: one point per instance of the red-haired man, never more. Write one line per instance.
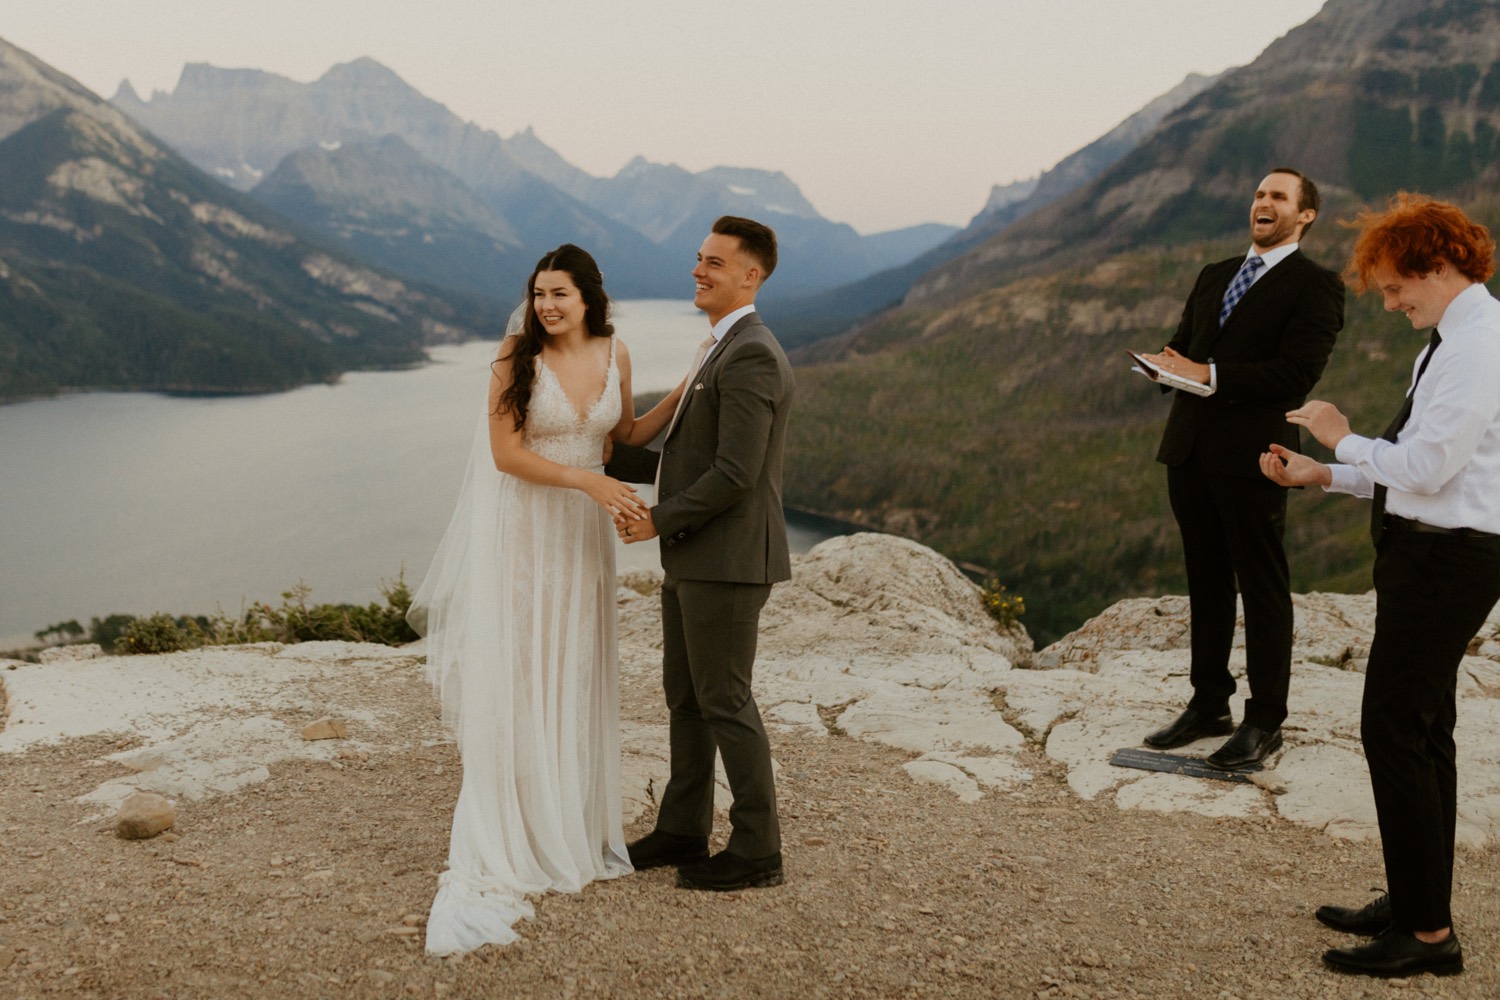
(1434, 476)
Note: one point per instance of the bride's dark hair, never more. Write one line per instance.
(527, 345)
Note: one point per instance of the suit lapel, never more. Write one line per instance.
(749, 319)
(1266, 285)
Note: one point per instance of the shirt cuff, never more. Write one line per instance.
(1354, 450)
(1345, 480)
(1213, 378)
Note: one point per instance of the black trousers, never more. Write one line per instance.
(709, 632)
(1232, 530)
(1433, 593)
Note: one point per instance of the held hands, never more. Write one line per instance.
(635, 530)
(618, 499)
(1179, 364)
(1285, 467)
(1323, 421)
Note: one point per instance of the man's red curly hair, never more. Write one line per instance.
(1414, 235)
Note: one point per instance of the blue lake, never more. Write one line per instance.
(137, 503)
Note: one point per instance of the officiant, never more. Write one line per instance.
(1257, 331)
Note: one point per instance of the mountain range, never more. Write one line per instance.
(997, 418)
(320, 152)
(972, 394)
(815, 317)
(288, 231)
(124, 266)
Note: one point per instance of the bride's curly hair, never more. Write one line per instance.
(527, 344)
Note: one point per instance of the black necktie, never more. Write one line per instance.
(1377, 509)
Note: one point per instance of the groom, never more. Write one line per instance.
(723, 544)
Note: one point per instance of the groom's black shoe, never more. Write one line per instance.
(1368, 920)
(1191, 725)
(725, 872)
(659, 848)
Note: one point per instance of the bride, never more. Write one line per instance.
(519, 614)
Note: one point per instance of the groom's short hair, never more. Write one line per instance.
(756, 239)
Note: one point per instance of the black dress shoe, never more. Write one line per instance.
(1398, 953)
(659, 848)
(1249, 745)
(1189, 726)
(725, 872)
(1368, 920)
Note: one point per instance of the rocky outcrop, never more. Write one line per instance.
(1125, 672)
(875, 638)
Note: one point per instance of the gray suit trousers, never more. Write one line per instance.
(709, 637)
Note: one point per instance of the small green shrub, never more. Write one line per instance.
(295, 620)
(159, 633)
(106, 631)
(1006, 608)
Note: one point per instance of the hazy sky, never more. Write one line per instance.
(885, 112)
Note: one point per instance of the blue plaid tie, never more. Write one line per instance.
(1239, 286)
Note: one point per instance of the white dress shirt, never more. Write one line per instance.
(1271, 258)
(723, 325)
(1443, 469)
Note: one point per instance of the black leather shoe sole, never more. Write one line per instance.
(762, 880)
(1438, 967)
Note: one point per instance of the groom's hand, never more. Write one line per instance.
(631, 530)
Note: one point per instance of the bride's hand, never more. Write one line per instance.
(618, 499)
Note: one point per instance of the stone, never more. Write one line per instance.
(71, 654)
(325, 729)
(144, 815)
(936, 772)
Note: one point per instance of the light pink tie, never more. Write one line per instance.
(703, 349)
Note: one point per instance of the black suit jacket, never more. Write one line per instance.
(1268, 357)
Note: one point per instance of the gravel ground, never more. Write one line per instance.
(314, 884)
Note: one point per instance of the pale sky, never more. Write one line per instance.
(886, 113)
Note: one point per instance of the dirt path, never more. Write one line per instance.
(299, 886)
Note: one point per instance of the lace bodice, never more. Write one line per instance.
(557, 432)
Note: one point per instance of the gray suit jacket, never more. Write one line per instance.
(719, 508)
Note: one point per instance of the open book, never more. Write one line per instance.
(1165, 378)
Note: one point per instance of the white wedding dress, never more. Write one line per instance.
(519, 613)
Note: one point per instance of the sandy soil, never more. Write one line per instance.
(313, 884)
